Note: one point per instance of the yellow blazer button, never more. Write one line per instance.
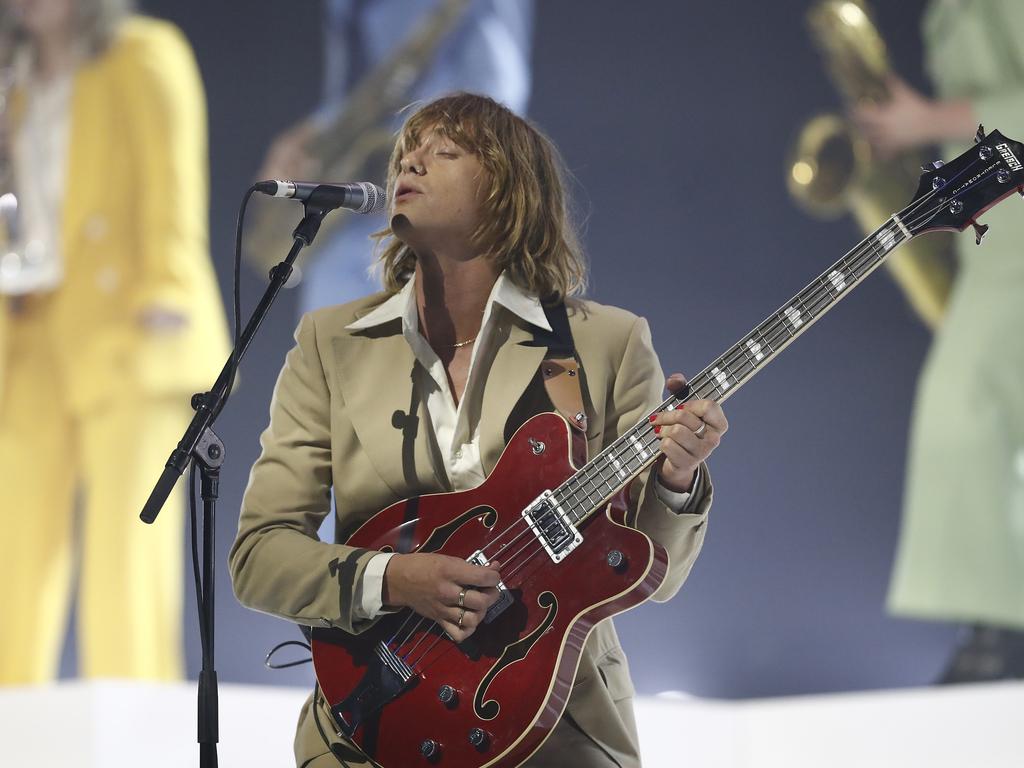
(108, 279)
(96, 227)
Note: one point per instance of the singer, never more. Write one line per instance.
(416, 390)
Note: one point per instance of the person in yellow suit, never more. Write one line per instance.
(104, 333)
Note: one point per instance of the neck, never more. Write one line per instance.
(451, 297)
(55, 53)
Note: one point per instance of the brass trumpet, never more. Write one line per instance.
(832, 169)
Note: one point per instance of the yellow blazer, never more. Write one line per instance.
(134, 228)
(341, 415)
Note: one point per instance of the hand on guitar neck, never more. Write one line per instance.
(432, 585)
(688, 435)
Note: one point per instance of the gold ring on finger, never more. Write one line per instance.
(699, 432)
(462, 615)
(462, 598)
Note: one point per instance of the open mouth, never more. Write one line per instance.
(405, 191)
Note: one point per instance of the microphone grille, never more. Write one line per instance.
(374, 199)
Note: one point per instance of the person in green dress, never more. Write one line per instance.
(961, 550)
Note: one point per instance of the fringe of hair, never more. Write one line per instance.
(526, 222)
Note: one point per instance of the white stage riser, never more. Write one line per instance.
(109, 724)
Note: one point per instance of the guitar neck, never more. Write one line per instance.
(633, 452)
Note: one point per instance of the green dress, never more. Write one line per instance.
(961, 550)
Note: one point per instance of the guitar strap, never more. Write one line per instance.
(560, 370)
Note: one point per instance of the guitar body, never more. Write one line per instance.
(512, 678)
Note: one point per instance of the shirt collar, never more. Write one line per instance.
(403, 306)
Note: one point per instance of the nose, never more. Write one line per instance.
(412, 163)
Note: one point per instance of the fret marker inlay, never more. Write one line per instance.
(721, 378)
(755, 349)
(793, 315)
(886, 238)
(837, 279)
(640, 448)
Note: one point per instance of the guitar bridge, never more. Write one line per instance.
(504, 597)
(551, 525)
(383, 681)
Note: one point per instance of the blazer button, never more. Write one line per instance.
(108, 279)
(96, 227)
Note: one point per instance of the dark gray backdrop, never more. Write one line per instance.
(675, 118)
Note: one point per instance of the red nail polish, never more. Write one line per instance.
(652, 417)
(657, 430)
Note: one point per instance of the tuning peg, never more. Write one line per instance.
(934, 165)
(979, 232)
(979, 136)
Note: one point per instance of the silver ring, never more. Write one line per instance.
(462, 598)
(699, 432)
(461, 617)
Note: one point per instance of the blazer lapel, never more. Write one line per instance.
(375, 367)
(515, 365)
(83, 164)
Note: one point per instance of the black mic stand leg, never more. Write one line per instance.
(209, 456)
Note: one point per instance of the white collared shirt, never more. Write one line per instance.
(456, 429)
(39, 152)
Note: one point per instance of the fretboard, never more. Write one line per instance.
(587, 490)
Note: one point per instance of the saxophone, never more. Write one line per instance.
(832, 170)
(358, 142)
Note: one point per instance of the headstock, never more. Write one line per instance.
(953, 195)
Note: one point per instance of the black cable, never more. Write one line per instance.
(269, 665)
(236, 297)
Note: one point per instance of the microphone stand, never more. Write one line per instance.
(201, 445)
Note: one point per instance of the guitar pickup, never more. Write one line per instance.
(551, 525)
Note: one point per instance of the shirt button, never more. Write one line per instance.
(458, 454)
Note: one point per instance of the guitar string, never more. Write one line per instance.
(741, 353)
(866, 248)
(736, 354)
(775, 331)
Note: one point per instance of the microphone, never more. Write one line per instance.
(360, 197)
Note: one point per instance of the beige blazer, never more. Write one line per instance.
(345, 413)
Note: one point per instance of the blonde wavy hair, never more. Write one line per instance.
(95, 25)
(526, 224)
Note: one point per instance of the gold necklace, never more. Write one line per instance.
(465, 343)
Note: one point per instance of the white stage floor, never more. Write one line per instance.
(110, 724)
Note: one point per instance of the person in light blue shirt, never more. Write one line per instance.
(487, 52)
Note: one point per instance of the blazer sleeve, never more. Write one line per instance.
(165, 131)
(278, 565)
(637, 391)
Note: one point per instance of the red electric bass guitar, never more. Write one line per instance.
(408, 695)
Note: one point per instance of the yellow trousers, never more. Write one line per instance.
(102, 464)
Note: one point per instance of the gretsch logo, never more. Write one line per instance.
(1009, 157)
